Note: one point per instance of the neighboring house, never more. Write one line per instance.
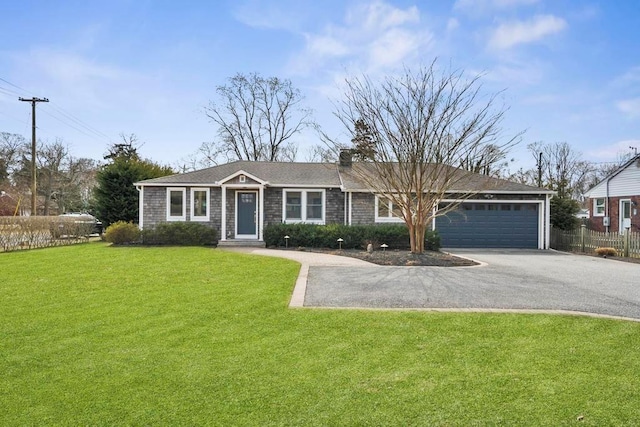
(240, 198)
(613, 202)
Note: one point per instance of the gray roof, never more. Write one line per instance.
(463, 181)
(274, 173)
(329, 175)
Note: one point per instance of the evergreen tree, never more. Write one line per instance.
(116, 198)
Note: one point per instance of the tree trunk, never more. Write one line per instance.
(417, 235)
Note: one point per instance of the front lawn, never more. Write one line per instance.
(100, 335)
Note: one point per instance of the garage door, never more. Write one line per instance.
(490, 225)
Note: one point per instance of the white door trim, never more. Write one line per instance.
(621, 219)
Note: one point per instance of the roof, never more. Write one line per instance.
(329, 175)
(596, 189)
(461, 181)
(273, 173)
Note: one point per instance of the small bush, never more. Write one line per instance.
(605, 252)
(121, 232)
(180, 234)
(354, 236)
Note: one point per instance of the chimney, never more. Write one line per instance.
(345, 158)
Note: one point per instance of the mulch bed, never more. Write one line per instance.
(399, 257)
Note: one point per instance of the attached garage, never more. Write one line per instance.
(491, 225)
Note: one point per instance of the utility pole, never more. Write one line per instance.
(540, 171)
(33, 102)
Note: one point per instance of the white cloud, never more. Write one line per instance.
(613, 152)
(381, 16)
(516, 73)
(374, 36)
(282, 15)
(326, 45)
(513, 33)
(481, 6)
(452, 24)
(630, 107)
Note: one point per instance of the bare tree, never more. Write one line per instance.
(563, 169)
(12, 147)
(423, 126)
(256, 118)
(322, 154)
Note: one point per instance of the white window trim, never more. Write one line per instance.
(389, 218)
(303, 209)
(183, 217)
(208, 201)
(595, 206)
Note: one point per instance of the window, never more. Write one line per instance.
(304, 206)
(199, 204)
(598, 207)
(387, 211)
(294, 206)
(176, 206)
(314, 205)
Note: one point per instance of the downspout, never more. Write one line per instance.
(606, 205)
(344, 221)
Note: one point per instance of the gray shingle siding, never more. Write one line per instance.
(155, 207)
(334, 211)
(272, 206)
(363, 210)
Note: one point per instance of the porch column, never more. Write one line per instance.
(547, 221)
(261, 214)
(223, 214)
(140, 206)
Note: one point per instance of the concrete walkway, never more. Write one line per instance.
(523, 281)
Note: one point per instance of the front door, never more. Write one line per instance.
(246, 215)
(625, 215)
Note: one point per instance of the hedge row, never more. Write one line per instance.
(180, 234)
(168, 233)
(396, 236)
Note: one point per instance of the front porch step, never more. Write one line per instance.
(240, 243)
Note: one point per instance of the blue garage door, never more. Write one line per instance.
(490, 225)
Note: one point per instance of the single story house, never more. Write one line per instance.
(240, 198)
(613, 202)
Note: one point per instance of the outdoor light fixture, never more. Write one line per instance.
(340, 240)
(286, 241)
(384, 246)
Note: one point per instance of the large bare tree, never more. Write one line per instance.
(563, 168)
(257, 118)
(421, 128)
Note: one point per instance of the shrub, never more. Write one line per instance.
(122, 232)
(396, 236)
(180, 234)
(605, 252)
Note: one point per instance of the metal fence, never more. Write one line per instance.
(584, 240)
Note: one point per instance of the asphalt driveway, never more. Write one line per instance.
(510, 280)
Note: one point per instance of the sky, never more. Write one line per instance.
(568, 70)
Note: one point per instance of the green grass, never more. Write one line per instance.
(99, 335)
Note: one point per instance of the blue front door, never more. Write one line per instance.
(247, 215)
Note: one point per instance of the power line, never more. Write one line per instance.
(64, 116)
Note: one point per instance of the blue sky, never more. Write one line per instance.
(570, 69)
